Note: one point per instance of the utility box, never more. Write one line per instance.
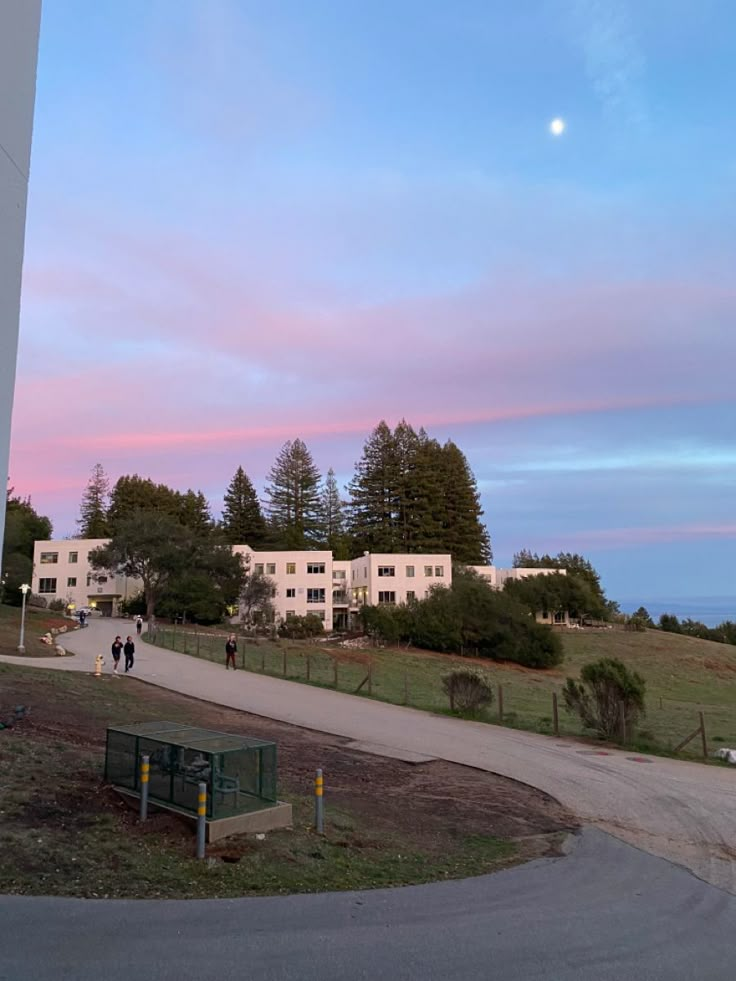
(239, 771)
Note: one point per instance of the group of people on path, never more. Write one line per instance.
(127, 649)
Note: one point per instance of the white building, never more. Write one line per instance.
(61, 570)
(19, 26)
(305, 582)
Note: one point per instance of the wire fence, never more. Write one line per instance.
(416, 681)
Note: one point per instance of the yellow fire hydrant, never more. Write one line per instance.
(98, 666)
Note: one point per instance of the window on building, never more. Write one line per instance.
(47, 585)
(71, 581)
(339, 574)
(388, 597)
(386, 570)
(428, 570)
(410, 572)
(545, 614)
(258, 568)
(365, 571)
(560, 616)
(73, 557)
(439, 571)
(316, 569)
(49, 558)
(271, 569)
(290, 613)
(291, 568)
(89, 580)
(410, 595)
(291, 592)
(315, 596)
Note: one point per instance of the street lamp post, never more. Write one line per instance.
(21, 647)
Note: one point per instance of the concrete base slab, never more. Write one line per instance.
(257, 822)
(278, 815)
(376, 749)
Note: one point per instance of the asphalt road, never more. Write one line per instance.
(605, 912)
(684, 812)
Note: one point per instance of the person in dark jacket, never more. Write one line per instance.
(129, 651)
(231, 649)
(117, 650)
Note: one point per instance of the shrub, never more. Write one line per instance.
(57, 605)
(607, 694)
(469, 618)
(300, 628)
(35, 600)
(468, 689)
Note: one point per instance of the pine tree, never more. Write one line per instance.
(294, 492)
(194, 511)
(242, 518)
(333, 518)
(374, 494)
(92, 520)
(424, 498)
(465, 537)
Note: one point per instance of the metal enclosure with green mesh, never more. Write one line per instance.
(240, 771)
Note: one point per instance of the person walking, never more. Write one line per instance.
(129, 651)
(231, 649)
(138, 624)
(82, 618)
(116, 650)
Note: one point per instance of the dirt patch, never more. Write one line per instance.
(390, 793)
(64, 832)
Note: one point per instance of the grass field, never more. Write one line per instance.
(684, 676)
(38, 622)
(63, 832)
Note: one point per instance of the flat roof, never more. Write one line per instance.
(190, 737)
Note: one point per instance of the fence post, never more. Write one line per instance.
(263, 661)
(309, 667)
(186, 641)
(284, 663)
(702, 736)
(406, 688)
(334, 670)
(173, 637)
(243, 640)
(500, 704)
(555, 715)
(370, 677)
(319, 803)
(197, 636)
(201, 818)
(145, 774)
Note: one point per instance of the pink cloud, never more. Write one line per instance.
(616, 538)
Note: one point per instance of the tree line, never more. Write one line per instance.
(409, 493)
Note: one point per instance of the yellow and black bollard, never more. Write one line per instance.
(98, 666)
(319, 805)
(201, 818)
(145, 774)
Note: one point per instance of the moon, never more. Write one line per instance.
(557, 126)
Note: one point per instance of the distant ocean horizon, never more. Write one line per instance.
(710, 610)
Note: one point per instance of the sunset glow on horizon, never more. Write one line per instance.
(228, 250)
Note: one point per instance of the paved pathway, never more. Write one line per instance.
(681, 811)
(606, 912)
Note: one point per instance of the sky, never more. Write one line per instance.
(251, 221)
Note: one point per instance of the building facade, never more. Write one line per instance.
(304, 582)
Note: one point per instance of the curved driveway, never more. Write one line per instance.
(684, 812)
(604, 913)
